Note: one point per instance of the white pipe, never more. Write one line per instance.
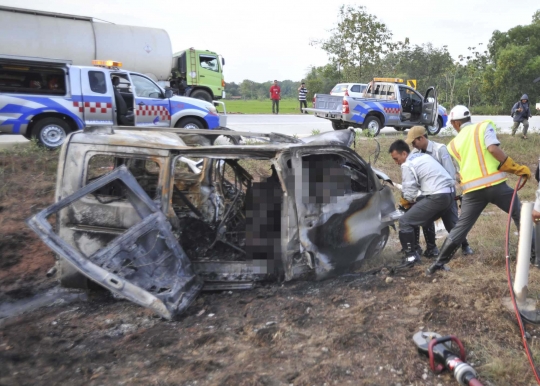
(524, 253)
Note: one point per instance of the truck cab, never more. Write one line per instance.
(385, 102)
(201, 74)
(48, 99)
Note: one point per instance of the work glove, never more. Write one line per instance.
(404, 204)
(511, 167)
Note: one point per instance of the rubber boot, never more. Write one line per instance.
(466, 248)
(448, 249)
(431, 246)
(408, 245)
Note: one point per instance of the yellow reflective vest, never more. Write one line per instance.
(478, 168)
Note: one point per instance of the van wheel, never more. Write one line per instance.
(373, 125)
(201, 94)
(51, 132)
(337, 125)
(434, 130)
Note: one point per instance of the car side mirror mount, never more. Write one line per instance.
(169, 93)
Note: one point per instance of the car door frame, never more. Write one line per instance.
(430, 109)
(156, 111)
(96, 108)
(310, 216)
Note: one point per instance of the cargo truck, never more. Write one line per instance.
(80, 40)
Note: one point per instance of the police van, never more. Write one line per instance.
(47, 99)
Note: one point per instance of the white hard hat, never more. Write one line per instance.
(459, 112)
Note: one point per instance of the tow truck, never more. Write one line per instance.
(385, 102)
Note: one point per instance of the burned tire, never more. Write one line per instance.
(51, 132)
(373, 125)
(201, 94)
(337, 125)
(434, 130)
(377, 244)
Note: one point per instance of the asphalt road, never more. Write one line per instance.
(303, 125)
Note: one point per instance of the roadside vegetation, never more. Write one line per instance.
(286, 106)
(356, 329)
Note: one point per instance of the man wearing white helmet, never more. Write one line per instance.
(482, 166)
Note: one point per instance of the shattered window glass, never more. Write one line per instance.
(145, 171)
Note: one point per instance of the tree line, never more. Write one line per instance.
(488, 79)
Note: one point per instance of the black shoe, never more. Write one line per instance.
(410, 259)
(447, 252)
(466, 250)
(409, 249)
(431, 253)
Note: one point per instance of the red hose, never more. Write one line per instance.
(510, 286)
(475, 382)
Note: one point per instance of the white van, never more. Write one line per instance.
(349, 89)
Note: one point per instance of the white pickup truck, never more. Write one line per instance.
(47, 99)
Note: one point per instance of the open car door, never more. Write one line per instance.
(429, 107)
(144, 263)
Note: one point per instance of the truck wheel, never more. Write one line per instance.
(201, 94)
(434, 130)
(190, 123)
(337, 125)
(51, 132)
(373, 125)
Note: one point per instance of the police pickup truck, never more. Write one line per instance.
(47, 99)
(385, 102)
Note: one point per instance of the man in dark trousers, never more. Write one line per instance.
(302, 93)
(417, 137)
(521, 114)
(420, 172)
(482, 167)
(275, 95)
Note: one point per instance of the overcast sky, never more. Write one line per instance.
(269, 39)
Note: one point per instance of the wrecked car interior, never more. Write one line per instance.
(155, 220)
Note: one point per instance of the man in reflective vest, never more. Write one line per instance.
(417, 137)
(482, 167)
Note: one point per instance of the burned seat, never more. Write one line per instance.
(125, 115)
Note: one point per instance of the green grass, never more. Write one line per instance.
(286, 106)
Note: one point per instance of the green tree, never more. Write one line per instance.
(358, 43)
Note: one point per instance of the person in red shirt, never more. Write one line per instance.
(275, 95)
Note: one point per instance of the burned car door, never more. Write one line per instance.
(338, 208)
(143, 263)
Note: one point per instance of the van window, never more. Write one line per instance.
(97, 82)
(145, 171)
(209, 62)
(23, 79)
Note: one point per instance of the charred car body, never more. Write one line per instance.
(154, 220)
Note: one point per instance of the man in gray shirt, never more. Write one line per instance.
(420, 172)
(417, 137)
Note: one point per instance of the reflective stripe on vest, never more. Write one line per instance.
(478, 168)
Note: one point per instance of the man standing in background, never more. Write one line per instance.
(275, 95)
(302, 92)
(521, 114)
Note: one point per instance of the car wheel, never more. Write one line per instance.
(434, 130)
(337, 125)
(373, 125)
(201, 94)
(51, 132)
(377, 244)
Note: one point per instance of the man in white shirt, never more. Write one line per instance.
(420, 172)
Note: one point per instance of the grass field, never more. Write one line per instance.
(286, 106)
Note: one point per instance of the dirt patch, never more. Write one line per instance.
(353, 330)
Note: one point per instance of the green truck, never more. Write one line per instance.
(199, 74)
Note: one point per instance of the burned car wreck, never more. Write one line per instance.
(156, 221)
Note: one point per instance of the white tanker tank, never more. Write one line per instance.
(81, 39)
